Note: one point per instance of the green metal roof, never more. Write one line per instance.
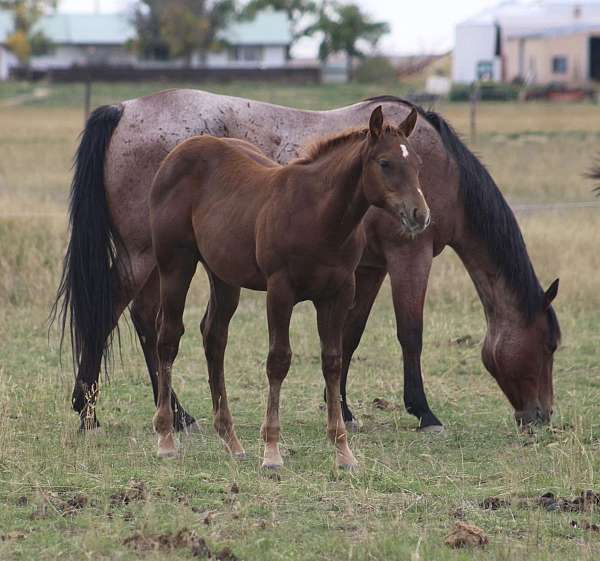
(268, 28)
(86, 29)
(6, 26)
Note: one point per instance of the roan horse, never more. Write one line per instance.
(294, 231)
(109, 261)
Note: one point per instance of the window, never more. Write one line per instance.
(485, 70)
(559, 65)
(248, 53)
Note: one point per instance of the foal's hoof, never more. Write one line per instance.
(353, 426)
(351, 468)
(239, 456)
(167, 453)
(432, 428)
(271, 466)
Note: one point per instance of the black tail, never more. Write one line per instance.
(85, 295)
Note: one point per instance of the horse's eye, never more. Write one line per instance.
(384, 163)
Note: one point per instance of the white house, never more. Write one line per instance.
(104, 39)
(498, 44)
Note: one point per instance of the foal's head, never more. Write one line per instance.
(391, 172)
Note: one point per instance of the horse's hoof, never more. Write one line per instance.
(192, 428)
(239, 456)
(352, 468)
(271, 466)
(353, 426)
(432, 428)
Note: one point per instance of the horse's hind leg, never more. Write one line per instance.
(85, 389)
(144, 310)
(177, 266)
(214, 327)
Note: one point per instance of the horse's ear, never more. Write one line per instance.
(550, 294)
(376, 123)
(408, 125)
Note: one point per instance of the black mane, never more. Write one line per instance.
(491, 218)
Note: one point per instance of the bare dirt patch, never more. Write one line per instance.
(385, 405)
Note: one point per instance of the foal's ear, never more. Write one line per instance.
(550, 294)
(376, 123)
(408, 125)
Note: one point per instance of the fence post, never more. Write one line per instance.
(474, 100)
(87, 99)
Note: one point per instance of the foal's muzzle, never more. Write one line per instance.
(416, 221)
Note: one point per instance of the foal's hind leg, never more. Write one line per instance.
(331, 314)
(176, 267)
(144, 310)
(214, 327)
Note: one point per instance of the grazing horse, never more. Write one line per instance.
(293, 231)
(109, 261)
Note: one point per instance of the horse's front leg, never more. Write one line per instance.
(409, 269)
(368, 283)
(280, 302)
(331, 314)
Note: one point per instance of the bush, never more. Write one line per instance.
(375, 69)
(488, 91)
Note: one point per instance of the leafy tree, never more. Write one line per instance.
(24, 42)
(147, 21)
(190, 26)
(343, 27)
(296, 10)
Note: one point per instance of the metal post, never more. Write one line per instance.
(87, 100)
(475, 95)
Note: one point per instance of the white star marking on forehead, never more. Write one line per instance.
(404, 150)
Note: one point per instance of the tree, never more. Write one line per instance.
(190, 26)
(24, 41)
(296, 10)
(147, 21)
(343, 27)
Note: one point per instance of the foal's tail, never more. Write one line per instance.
(86, 292)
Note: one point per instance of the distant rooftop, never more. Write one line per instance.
(268, 28)
(86, 29)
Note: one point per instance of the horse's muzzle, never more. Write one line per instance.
(533, 416)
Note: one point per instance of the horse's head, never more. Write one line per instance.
(519, 355)
(391, 172)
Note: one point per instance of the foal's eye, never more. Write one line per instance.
(384, 163)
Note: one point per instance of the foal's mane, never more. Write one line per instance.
(490, 217)
(325, 145)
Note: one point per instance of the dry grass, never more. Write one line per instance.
(405, 500)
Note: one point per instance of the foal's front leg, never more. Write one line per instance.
(280, 302)
(331, 314)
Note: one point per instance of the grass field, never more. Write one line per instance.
(72, 497)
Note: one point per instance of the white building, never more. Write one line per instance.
(498, 44)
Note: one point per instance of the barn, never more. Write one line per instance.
(537, 43)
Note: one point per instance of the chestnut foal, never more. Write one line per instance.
(294, 231)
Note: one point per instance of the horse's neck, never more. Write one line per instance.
(340, 195)
(500, 303)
